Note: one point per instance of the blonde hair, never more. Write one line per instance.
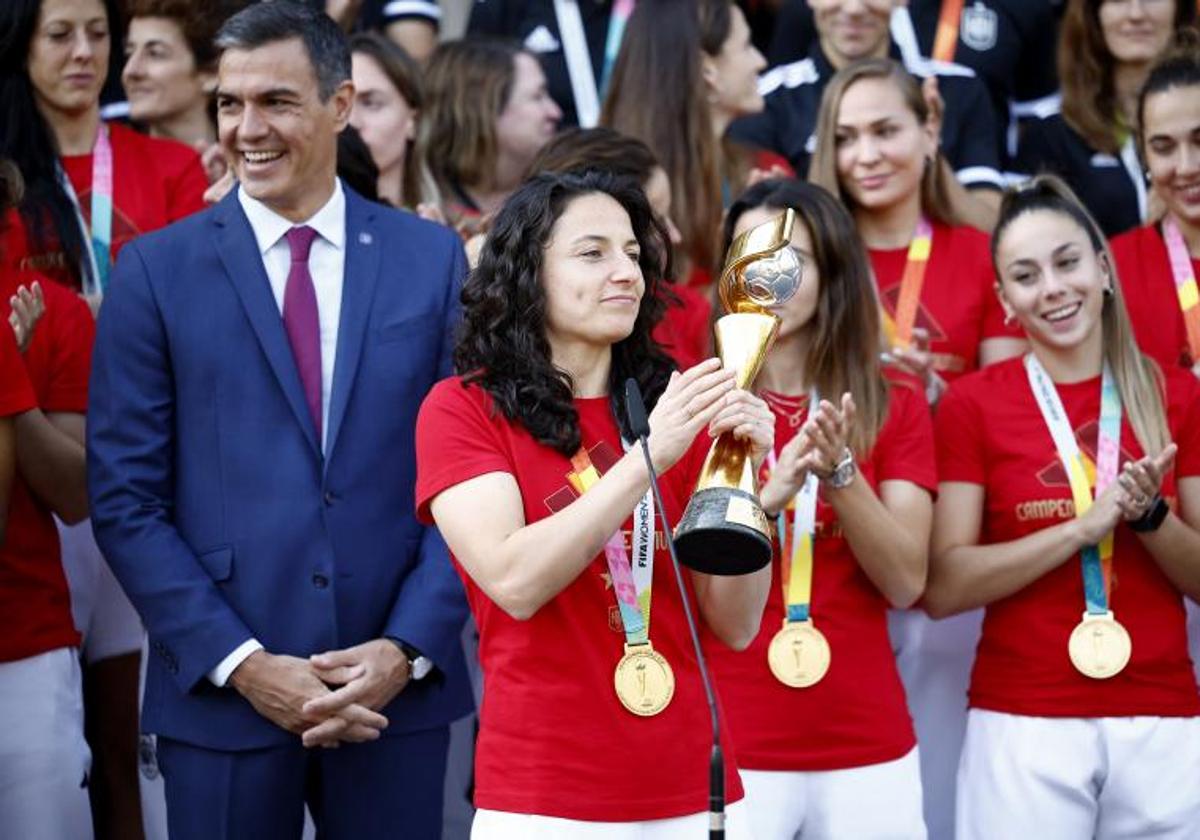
(1139, 379)
(942, 198)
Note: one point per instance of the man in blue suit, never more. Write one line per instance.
(258, 370)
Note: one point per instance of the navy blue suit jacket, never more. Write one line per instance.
(210, 496)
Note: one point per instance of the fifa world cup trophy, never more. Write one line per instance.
(724, 530)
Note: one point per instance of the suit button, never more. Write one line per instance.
(329, 499)
(320, 581)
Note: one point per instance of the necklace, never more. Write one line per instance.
(791, 409)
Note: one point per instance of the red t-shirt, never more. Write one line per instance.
(856, 715)
(685, 331)
(155, 182)
(958, 304)
(16, 394)
(34, 601)
(990, 432)
(553, 737)
(1149, 291)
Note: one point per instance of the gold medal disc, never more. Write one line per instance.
(799, 654)
(644, 680)
(1099, 646)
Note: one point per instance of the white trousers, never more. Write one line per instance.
(1079, 778)
(875, 802)
(934, 659)
(44, 759)
(103, 615)
(502, 825)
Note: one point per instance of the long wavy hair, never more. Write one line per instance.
(940, 194)
(1086, 72)
(502, 345)
(26, 139)
(1138, 377)
(843, 355)
(657, 94)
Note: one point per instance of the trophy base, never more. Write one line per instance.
(724, 532)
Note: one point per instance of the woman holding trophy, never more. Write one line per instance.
(815, 705)
(527, 464)
(1069, 507)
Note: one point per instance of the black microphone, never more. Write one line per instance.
(639, 425)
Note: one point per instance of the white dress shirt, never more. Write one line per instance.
(327, 265)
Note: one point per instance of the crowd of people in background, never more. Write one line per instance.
(313, 429)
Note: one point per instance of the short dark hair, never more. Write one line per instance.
(279, 20)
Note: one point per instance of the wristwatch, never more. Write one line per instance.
(418, 666)
(843, 473)
(1153, 518)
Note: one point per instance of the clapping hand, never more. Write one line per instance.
(1141, 481)
(28, 307)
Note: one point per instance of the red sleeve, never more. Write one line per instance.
(457, 440)
(70, 333)
(1184, 391)
(16, 394)
(186, 185)
(904, 450)
(958, 430)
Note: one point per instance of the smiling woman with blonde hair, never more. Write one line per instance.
(1069, 508)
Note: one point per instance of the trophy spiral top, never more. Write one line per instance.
(761, 269)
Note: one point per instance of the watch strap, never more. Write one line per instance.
(1153, 518)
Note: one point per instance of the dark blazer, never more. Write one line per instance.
(210, 496)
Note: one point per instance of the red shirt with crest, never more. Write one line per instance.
(990, 432)
(553, 737)
(958, 304)
(857, 714)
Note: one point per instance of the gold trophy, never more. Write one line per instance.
(724, 530)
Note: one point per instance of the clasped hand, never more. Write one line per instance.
(329, 697)
(1129, 497)
(706, 396)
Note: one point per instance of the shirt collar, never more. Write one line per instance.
(269, 227)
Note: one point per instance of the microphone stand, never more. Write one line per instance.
(635, 409)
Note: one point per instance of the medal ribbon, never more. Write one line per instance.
(621, 11)
(946, 39)
(1096, 560)
(632, 581)
(99, 233)
(797, 575)
(910, 284)
(1185, 284)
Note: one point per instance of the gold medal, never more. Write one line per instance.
(644, 680)
(799, 654)
(1099, 646)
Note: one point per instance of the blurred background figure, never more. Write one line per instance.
(677, 88)
(170, 73)
(489, 115)
(388, 104)
(1105, 51)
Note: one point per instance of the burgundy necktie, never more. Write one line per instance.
(301, 321)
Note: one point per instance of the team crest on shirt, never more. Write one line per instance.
(602, 457)
(924, 319)
(1087, 435)
(979, 27)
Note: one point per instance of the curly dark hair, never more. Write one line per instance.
(502, 345)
